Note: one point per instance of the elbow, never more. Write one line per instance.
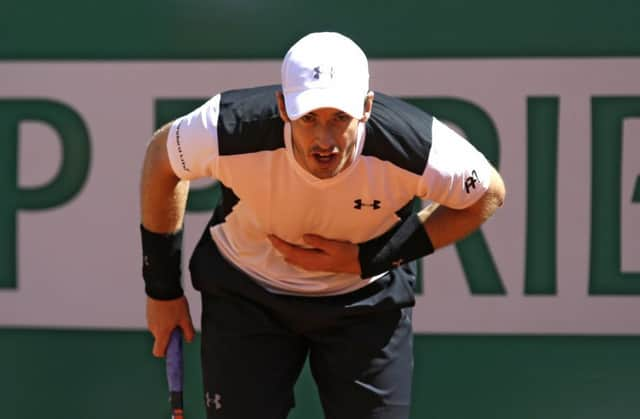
(493, 198)
(500, 192)
(156, 146)
(496, 194)
(156, 158)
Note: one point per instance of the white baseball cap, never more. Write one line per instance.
(325, 70)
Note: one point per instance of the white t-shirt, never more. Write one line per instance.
(238, 139)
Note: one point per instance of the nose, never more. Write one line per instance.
(324, 138)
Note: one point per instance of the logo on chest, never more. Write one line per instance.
(358, 204)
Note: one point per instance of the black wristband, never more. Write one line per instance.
(161, 260)
(404, 242)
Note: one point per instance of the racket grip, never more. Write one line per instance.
(175, 373)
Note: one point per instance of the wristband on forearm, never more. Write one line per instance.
(161, 260)
(404, 242)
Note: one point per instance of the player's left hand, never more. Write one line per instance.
(326, 255)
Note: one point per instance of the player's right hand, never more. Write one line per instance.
(165, 315)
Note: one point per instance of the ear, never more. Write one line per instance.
(368, 107)
(282, 109)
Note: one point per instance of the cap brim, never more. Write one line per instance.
(305, 101)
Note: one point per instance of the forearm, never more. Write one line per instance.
(447, 225)
(163, 199)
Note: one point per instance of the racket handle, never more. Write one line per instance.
(175, 373)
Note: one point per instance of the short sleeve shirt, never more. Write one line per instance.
(401, 153)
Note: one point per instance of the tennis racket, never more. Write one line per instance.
(175, 373)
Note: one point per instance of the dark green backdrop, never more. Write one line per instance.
(110, 374)
(117, 29)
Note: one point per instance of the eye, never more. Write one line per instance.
(343, 117)
(308, 118)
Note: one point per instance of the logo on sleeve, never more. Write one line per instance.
(470, 182)
(358, 204)
(180, 153)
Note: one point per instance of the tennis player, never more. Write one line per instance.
(311, 252)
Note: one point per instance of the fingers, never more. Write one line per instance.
(329, 246)
(160, 343)
(318, 242)
(304, 258)
(184, 321)
(163, 317)
(187, 330)
(334, 255)
(281, 245)
(326, 255)
(161, 339)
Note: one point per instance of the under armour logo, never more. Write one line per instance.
(470, 182)
(358, 204)
(216, 401)
(319, 71)
(145, 260)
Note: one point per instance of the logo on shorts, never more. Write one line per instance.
(215, 401)
(358, 204)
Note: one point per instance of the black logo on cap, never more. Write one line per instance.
(320, 72)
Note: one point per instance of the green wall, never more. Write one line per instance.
(111, 374)
(107, 374)
(117, 29)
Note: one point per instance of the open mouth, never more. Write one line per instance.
(325, 158)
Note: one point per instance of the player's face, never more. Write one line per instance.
(323, 141)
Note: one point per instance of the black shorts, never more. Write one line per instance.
(255, 344)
